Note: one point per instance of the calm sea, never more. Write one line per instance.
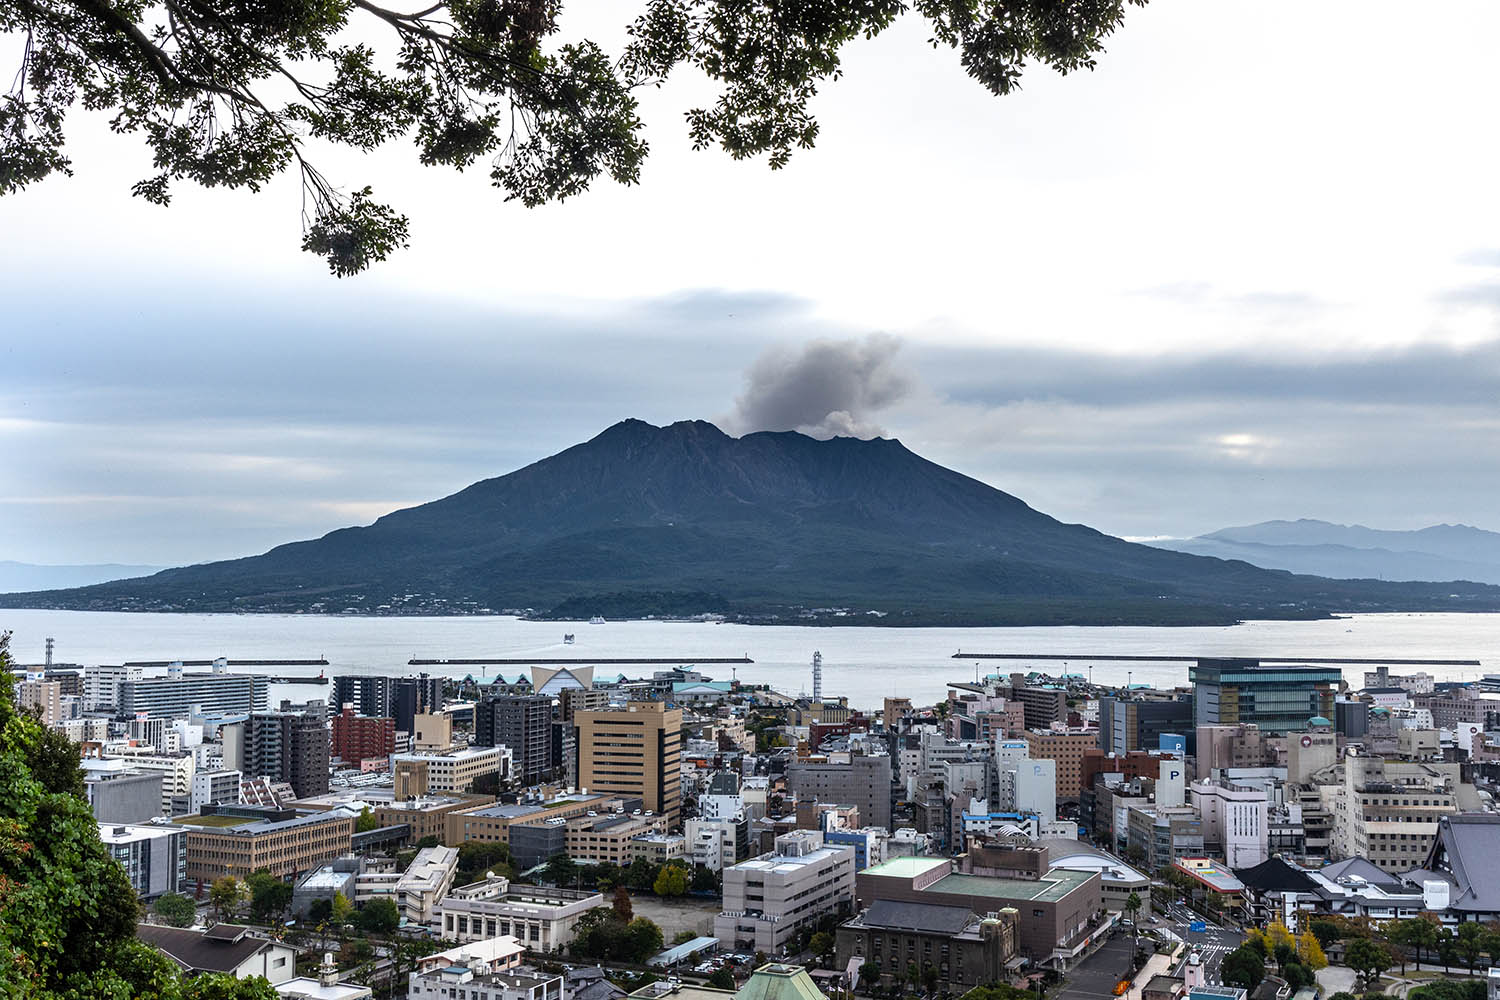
(864, 663)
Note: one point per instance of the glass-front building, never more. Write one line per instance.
(1279, 698)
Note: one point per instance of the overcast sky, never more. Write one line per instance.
(1248, 268)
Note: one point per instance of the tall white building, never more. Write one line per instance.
(214, 787)
(1024, 785)
(768, 899)
(101, 685)
(1234, 821)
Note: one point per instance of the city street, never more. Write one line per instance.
(1095, 977)
(1212, 943)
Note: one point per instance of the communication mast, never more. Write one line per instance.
(817, 676)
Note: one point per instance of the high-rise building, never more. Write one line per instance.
(523, 723)
(400, 698)
(1388, 810)
(1279, 698)
(101, 685)
(178, 694)
(634, 752)
(214, 788)
(288, 747)
(864, 782)
(1130, 724)
(43, 697)
(1066, 747)
(155, 857)
(358, 737)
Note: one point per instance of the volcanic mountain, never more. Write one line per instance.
(685, 519)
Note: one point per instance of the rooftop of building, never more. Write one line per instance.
(125, 833)
(1050, 888)
(326, 879)
(792, 862)
(905, 867)
(243, 826)
(303, 988)
(1210, 873)
(222, 948)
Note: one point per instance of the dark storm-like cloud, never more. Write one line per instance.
(824, 389)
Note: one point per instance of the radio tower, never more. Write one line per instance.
(49, 652)
(817, 676)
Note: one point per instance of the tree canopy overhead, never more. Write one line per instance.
(232, 93)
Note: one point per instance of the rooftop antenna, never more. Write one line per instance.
(50, 641)
(817, 676)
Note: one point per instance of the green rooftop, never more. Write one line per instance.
(214, 820)
(905, 867)
(781, 982)
(1050, 888)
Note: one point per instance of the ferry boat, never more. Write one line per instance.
(596, 620)
(567, 638)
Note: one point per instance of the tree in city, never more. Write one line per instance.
(476, 857)
(1297, 975)
(269, 896)
(175, 909)
(1369, 958)
(365, 821)
(706, 881)
(869, 975)
(722, 979)
(379, 916)
(561, 870)
(821, 944)
(1424, 935)
(622, 905)
(340, 911)
(1401, 934)
(1326, 931)
(1310, 951)
(224, 897)
(1133, 909)
(670, 881)
(643, 939)
(640, 875)
(228, 95)
(1244, 967)
(1469, 942)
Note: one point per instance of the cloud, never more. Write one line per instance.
(825, 389)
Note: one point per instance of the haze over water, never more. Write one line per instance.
(864, 663)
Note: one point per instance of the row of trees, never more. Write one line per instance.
(1419, 939)
(672, 878)
(1296, 957)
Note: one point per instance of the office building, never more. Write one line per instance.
(285, 842)
(288, 747)
(768, 899)
(1058, 909)
(43, 697)
(423, 885)
(101, 686)
(431, 731)
(598, 840)
(1388, 811)
(154, 857)
(400, 698)
(1066, 747)
(455, 771)
(543, 918)
(523, 723)
(1127, 724)
(1235, 822)
(362, 737)
(634, 752)
(478, 979)
(1160, 835)
(1279, 698)
(118, 793)
(211, 788)
(864, 781)
(179, 693)
(965, 949)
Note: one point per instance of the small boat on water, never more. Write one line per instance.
(567, 638)
(596, 620)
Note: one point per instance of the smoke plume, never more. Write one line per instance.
(825, 389)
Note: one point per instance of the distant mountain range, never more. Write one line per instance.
(1352, 551)
(678, 520)
(19, 576)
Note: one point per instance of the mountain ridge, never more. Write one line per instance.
(1439, 552)
(767, 525)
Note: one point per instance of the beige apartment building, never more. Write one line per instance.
(769, 898)
(634, 752)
